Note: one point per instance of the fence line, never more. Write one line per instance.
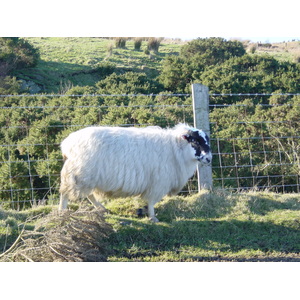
(94, 95)
(149, 95)
(95, 106)
(30, 159)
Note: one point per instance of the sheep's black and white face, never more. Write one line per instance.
(199, 140)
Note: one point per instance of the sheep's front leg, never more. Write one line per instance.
(151, 213)
(63, 202)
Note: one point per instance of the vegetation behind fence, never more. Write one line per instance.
(254, 106)
(255, 146)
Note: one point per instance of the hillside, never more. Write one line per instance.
(67, 62)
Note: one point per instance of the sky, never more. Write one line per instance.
(261, 20)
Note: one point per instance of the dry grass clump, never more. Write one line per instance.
(78, 236)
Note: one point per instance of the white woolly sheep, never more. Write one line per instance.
(119, 162)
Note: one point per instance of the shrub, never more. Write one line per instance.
(16, 53)
(138, 43)
(153, 44)
(109, 49)
(120, 42)
(104, 68)
(297, 58)
(252, 49)
(179, 71)
(9, 85)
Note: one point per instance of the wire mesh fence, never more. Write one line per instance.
(256, 142)
(254, 146)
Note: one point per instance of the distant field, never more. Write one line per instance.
(287, 51)
(69, 61)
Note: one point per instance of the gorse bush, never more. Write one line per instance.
(179, 72)
(9, 85)
(16, 53)
(213, 50)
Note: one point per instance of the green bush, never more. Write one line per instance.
(120, 42)
(138, 43)
(153, 44)
(251, 74)
(9, 85)
(195, 57)
(104, 68)
(16, 53)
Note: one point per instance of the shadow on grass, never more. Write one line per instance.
(50, 75)
(222, 236)
(261, 204)
(221, 203)
(227, 224)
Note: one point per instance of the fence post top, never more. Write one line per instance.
(200, 86)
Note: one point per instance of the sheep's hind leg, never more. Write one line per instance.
(95, 202)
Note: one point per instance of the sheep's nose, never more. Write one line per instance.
(208, 160)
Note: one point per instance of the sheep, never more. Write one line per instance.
(149, 162)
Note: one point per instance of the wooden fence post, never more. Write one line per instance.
(201, 121)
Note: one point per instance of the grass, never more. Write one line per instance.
(216, 226)
(285, 51)
(12, 222)
(66, 62)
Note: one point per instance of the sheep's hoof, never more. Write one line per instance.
(154, 219)
(140, 213)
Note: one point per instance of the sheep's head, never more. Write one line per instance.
(199, 140)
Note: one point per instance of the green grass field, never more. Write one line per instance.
(216, 226)
(67, 62)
